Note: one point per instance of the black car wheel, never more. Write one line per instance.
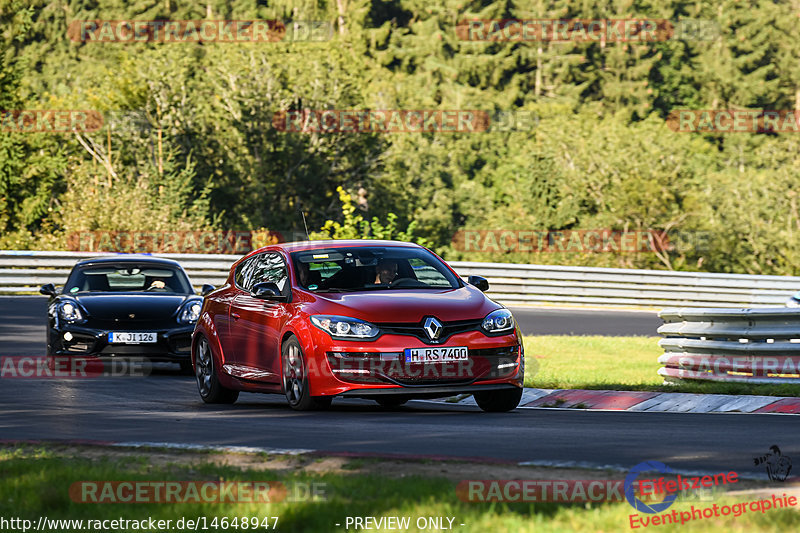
(295, 379)
(211, 391)
(498, 401)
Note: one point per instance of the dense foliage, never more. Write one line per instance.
(189, 143)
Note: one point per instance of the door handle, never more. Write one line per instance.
(236, 316)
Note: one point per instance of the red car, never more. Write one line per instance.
(384, 320)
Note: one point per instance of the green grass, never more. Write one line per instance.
(35, 483)
(615, 363)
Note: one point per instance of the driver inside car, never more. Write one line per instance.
(157, 284)
(386, 271)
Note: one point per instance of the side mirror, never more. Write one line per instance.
(266, 290)
(480, 282)
(206, 288)
(49, 290)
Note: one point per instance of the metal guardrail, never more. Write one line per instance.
(26, 271)
(734, 345)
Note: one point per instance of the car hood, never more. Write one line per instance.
(143, 306)
(411, 306)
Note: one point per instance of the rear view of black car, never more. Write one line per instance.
(123, 306)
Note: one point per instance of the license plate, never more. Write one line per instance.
(133, 337)
(443, 354)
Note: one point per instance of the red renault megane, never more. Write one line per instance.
(384, 320)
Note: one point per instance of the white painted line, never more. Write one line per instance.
(664, 402)
(531, 395)
(748, 404)
(711, 403)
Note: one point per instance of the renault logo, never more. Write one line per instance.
(433, 328)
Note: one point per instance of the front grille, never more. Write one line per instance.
(391, 368)
(130, 324)
(416, 330)
(134, 349)
(79, 343)
(503, 360)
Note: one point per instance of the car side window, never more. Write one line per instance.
(270, 267)
(240, 277)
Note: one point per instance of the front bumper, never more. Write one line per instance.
(172, 344)
(378, 368)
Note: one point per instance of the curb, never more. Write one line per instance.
(643, 401)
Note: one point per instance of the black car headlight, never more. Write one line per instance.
(70, 313)
(190, 312)
(498, 321)
(345, 327)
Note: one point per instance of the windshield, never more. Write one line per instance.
(368, 268)
(129, 278)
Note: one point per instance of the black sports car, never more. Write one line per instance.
(124, 306)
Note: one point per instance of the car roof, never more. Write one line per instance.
(333, 243)
(127, 258)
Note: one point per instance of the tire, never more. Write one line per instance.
(391, 402)
(208, 385)
(295, 379)
(499, 401)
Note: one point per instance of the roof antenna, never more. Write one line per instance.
(308, 237)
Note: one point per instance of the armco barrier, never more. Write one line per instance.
(513, 284)
(739, 345)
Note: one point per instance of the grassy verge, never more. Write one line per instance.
(35, 482)
(615, 363)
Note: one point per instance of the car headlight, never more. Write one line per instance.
(190, 312)
(70, 312)
(498, 321)
(345, 327)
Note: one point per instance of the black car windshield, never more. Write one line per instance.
(368, 268)
(128, 277)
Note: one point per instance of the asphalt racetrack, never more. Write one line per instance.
(165, 407)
